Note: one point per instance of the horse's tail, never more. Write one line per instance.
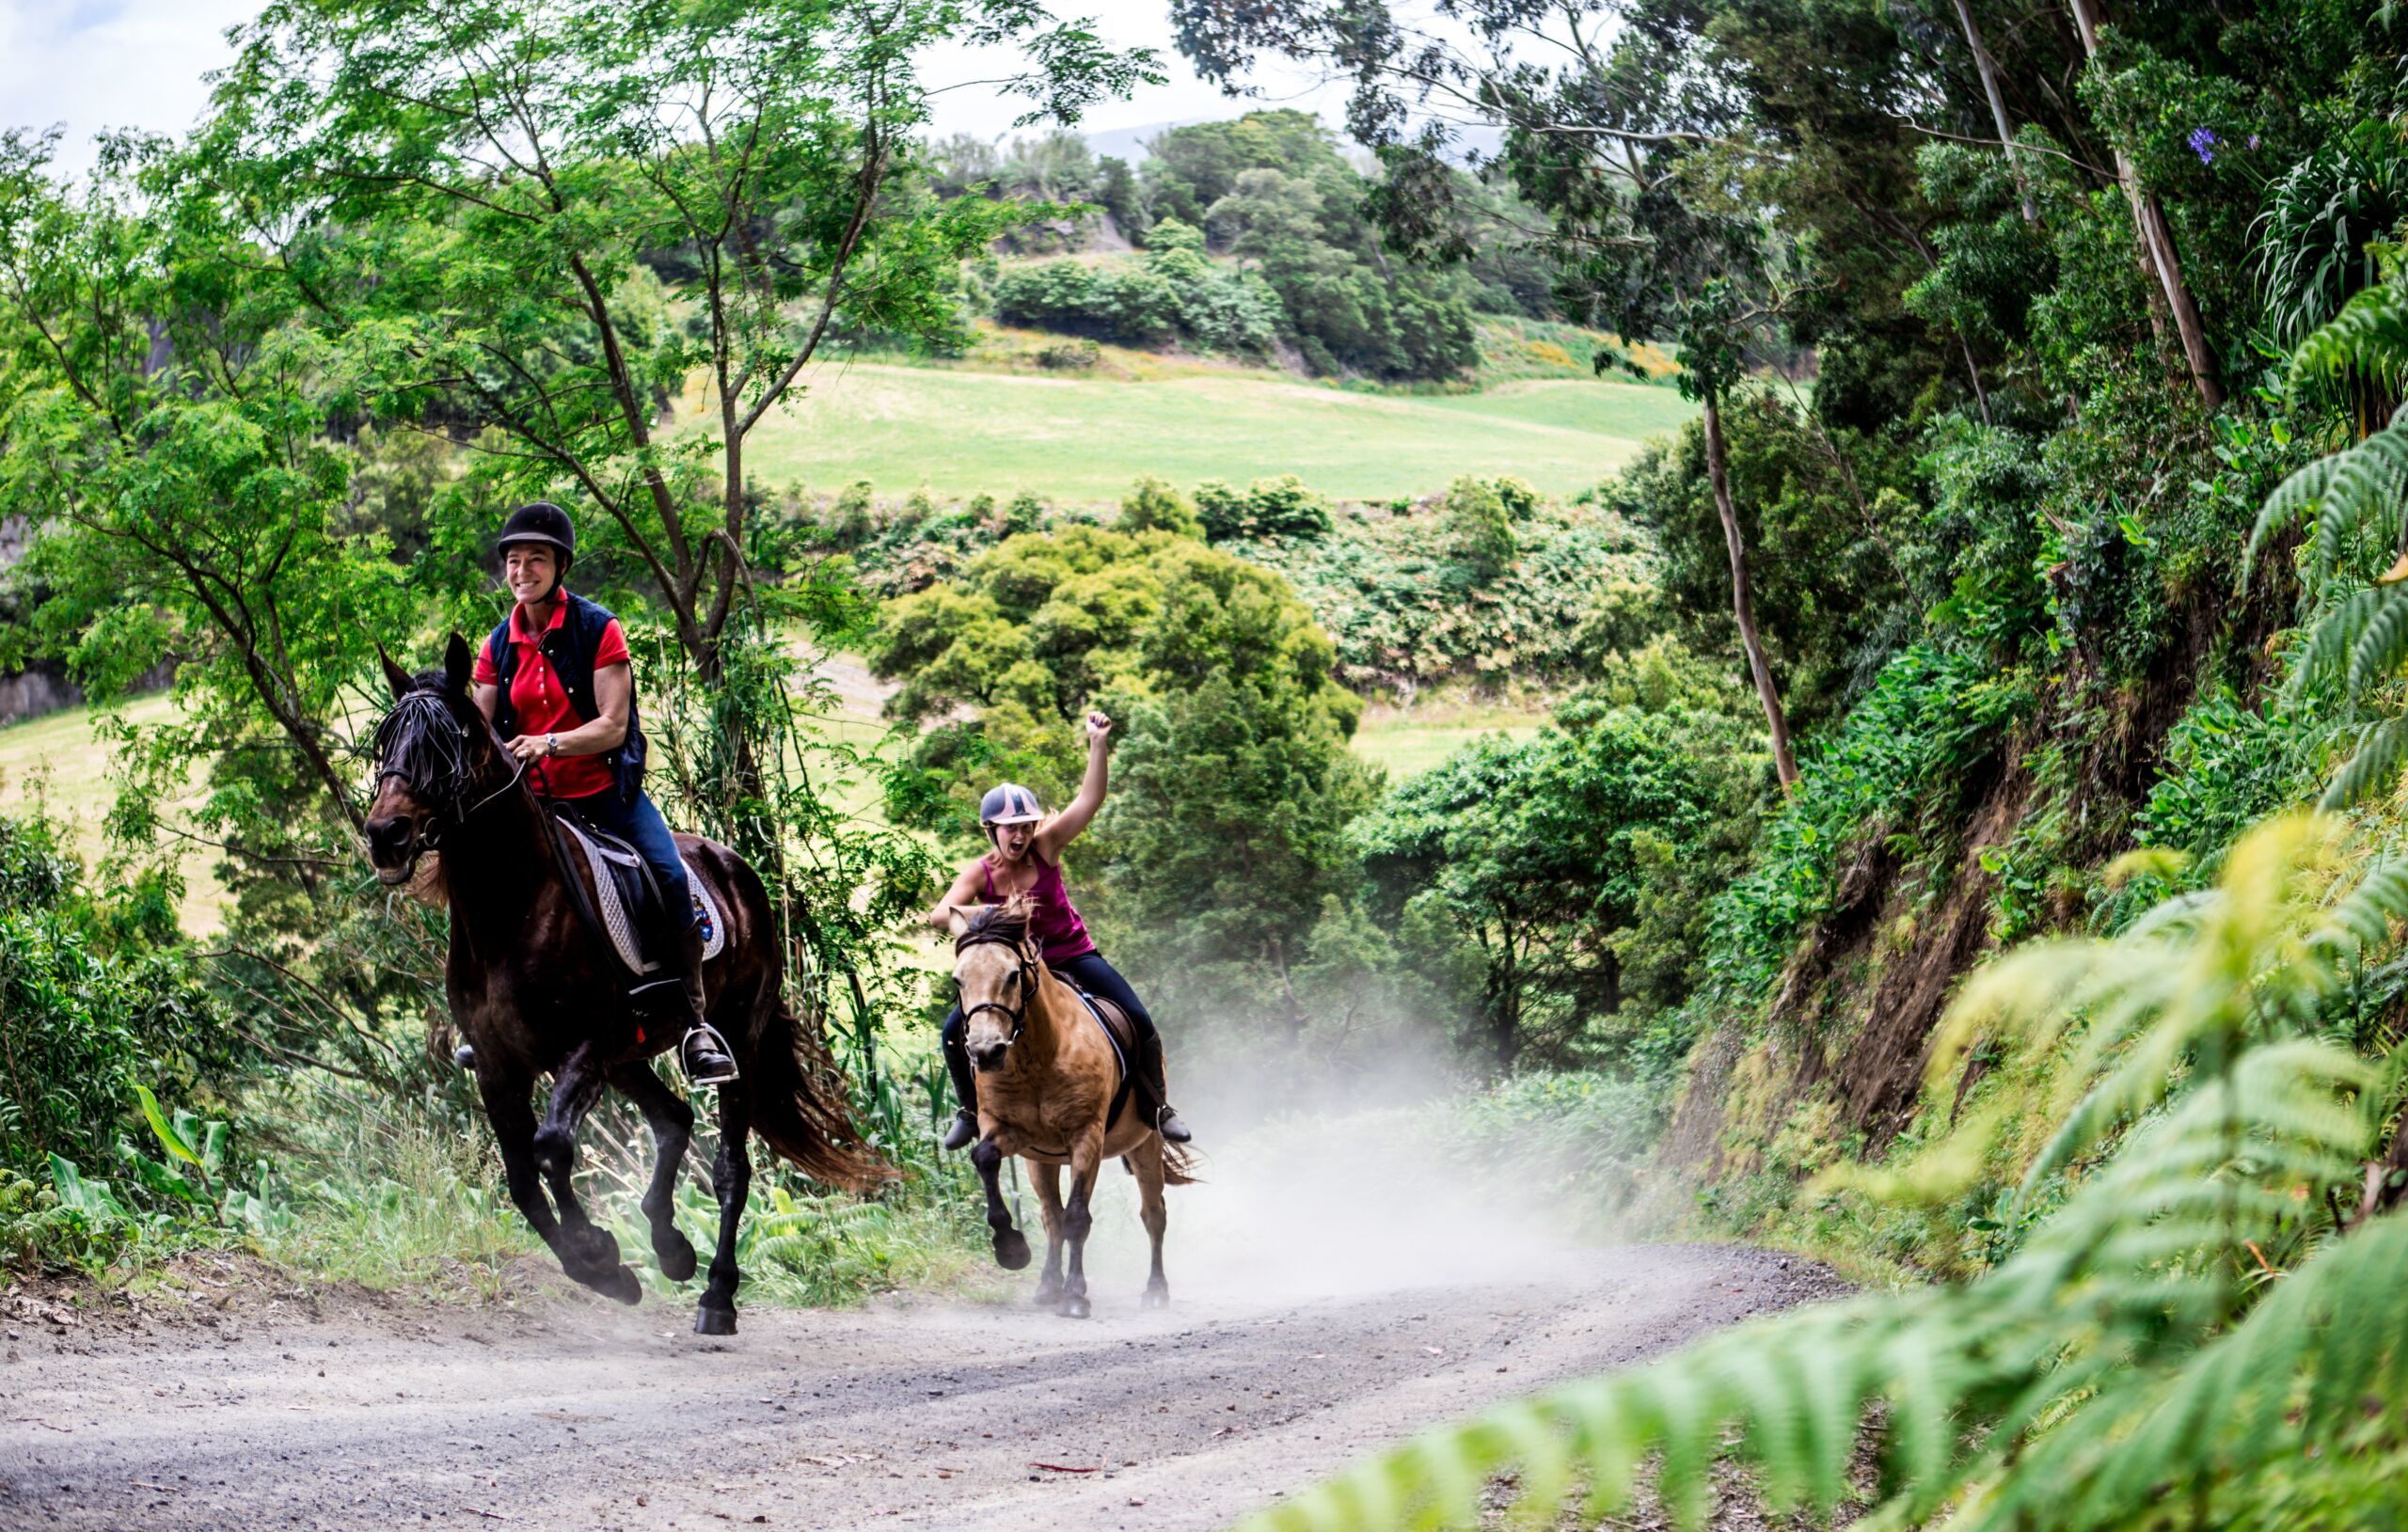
(1179, 1165)
(798, 1099)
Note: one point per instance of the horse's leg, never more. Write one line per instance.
(672, 1128)
(1011, 1249)
(1048, 1181)
(1147, 1163)
(1086, 1156)
(732, 1178)
(589, 1252)
(514, 1129)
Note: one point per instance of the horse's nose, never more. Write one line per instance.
(389, 840)
(988, 1057)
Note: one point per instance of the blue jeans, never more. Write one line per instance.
(638, 824)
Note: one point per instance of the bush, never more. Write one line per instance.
(1155, 506)
(1069, 356)
(1270, 508)
(1478, 529)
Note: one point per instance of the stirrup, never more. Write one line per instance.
(706, 1057)
(1166, 1123)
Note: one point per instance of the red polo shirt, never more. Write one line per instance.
(543, 705)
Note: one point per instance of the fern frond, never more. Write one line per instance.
(2369, 334)
(2383, 750)
(2382, 646)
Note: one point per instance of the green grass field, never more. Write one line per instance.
(55, 759)
(1411, 740)
(957, 433)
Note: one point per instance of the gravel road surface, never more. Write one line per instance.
(574, 1413)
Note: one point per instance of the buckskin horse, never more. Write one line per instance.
(534, 990)
(1049, 1076)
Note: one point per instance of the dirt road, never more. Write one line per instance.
(582, 1415)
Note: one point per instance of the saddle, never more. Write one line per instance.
(1122, 1034)
(625, 911)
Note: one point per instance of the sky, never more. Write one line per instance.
(89, 65)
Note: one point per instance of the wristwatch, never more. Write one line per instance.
(551, 744)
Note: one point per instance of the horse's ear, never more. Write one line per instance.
(395, 676)
(956, 922)
(456, 665)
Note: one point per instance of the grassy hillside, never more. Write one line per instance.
(1407, 740)
(957, 432)
(55, 759)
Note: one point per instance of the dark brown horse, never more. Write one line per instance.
(533, 992)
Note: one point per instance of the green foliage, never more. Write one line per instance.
(1479, 529)
(2122, 1344)
(1154, 506)
(1041, 626)
(1541, 855)
(93, 1011)
(1273, 509)
(1403, 611)
(1170, 293)
(1895, 766)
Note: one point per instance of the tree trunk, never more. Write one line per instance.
(1743, 607)
(2157, 245)
(1989, 70)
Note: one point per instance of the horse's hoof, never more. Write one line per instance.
(1011, 1249)
(676, 1254)
(1074, 1307)
(1155, 1298)
(621, 1286)
(714, 1322)
(1047, 1292)
(596, 1249)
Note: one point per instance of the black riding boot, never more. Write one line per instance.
(965, 1089)
(1153, 1087)
(676, 995)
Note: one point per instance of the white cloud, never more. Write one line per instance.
(90, 64)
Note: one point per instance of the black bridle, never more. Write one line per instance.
(1027, 972)
(419, 742)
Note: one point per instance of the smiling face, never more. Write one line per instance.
(991, 974)
(532, 570)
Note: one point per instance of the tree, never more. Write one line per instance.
(1156, 506)
(499, 203)
(1479, 530)
(164, 413)
(1537, 851)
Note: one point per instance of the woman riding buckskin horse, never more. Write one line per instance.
(555, 681)
(1027, 859)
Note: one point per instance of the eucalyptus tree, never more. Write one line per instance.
(541, 225)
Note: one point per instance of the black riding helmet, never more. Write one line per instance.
(541, 521)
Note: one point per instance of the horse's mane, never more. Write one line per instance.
(1006, 923)
(421, 742)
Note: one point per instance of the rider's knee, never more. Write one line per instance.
(950, 1034)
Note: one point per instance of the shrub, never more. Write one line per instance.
(1155, 506)
(1478, 529)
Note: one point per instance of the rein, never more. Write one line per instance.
(454, 749)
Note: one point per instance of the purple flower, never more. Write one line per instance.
(2203, 143)
(2253, 140)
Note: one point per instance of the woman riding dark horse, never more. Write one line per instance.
(535, 986)
(1026, 860)
(555, 682)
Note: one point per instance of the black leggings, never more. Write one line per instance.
(1091, 972)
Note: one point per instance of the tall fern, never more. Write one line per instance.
(2122, 1351)
(2356, 505)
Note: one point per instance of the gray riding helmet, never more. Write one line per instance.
(1009, 803)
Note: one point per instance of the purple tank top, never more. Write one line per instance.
(1060, 934)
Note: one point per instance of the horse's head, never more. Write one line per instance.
(996, 967)
(435, 751)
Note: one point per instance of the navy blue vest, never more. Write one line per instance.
(569, 649)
